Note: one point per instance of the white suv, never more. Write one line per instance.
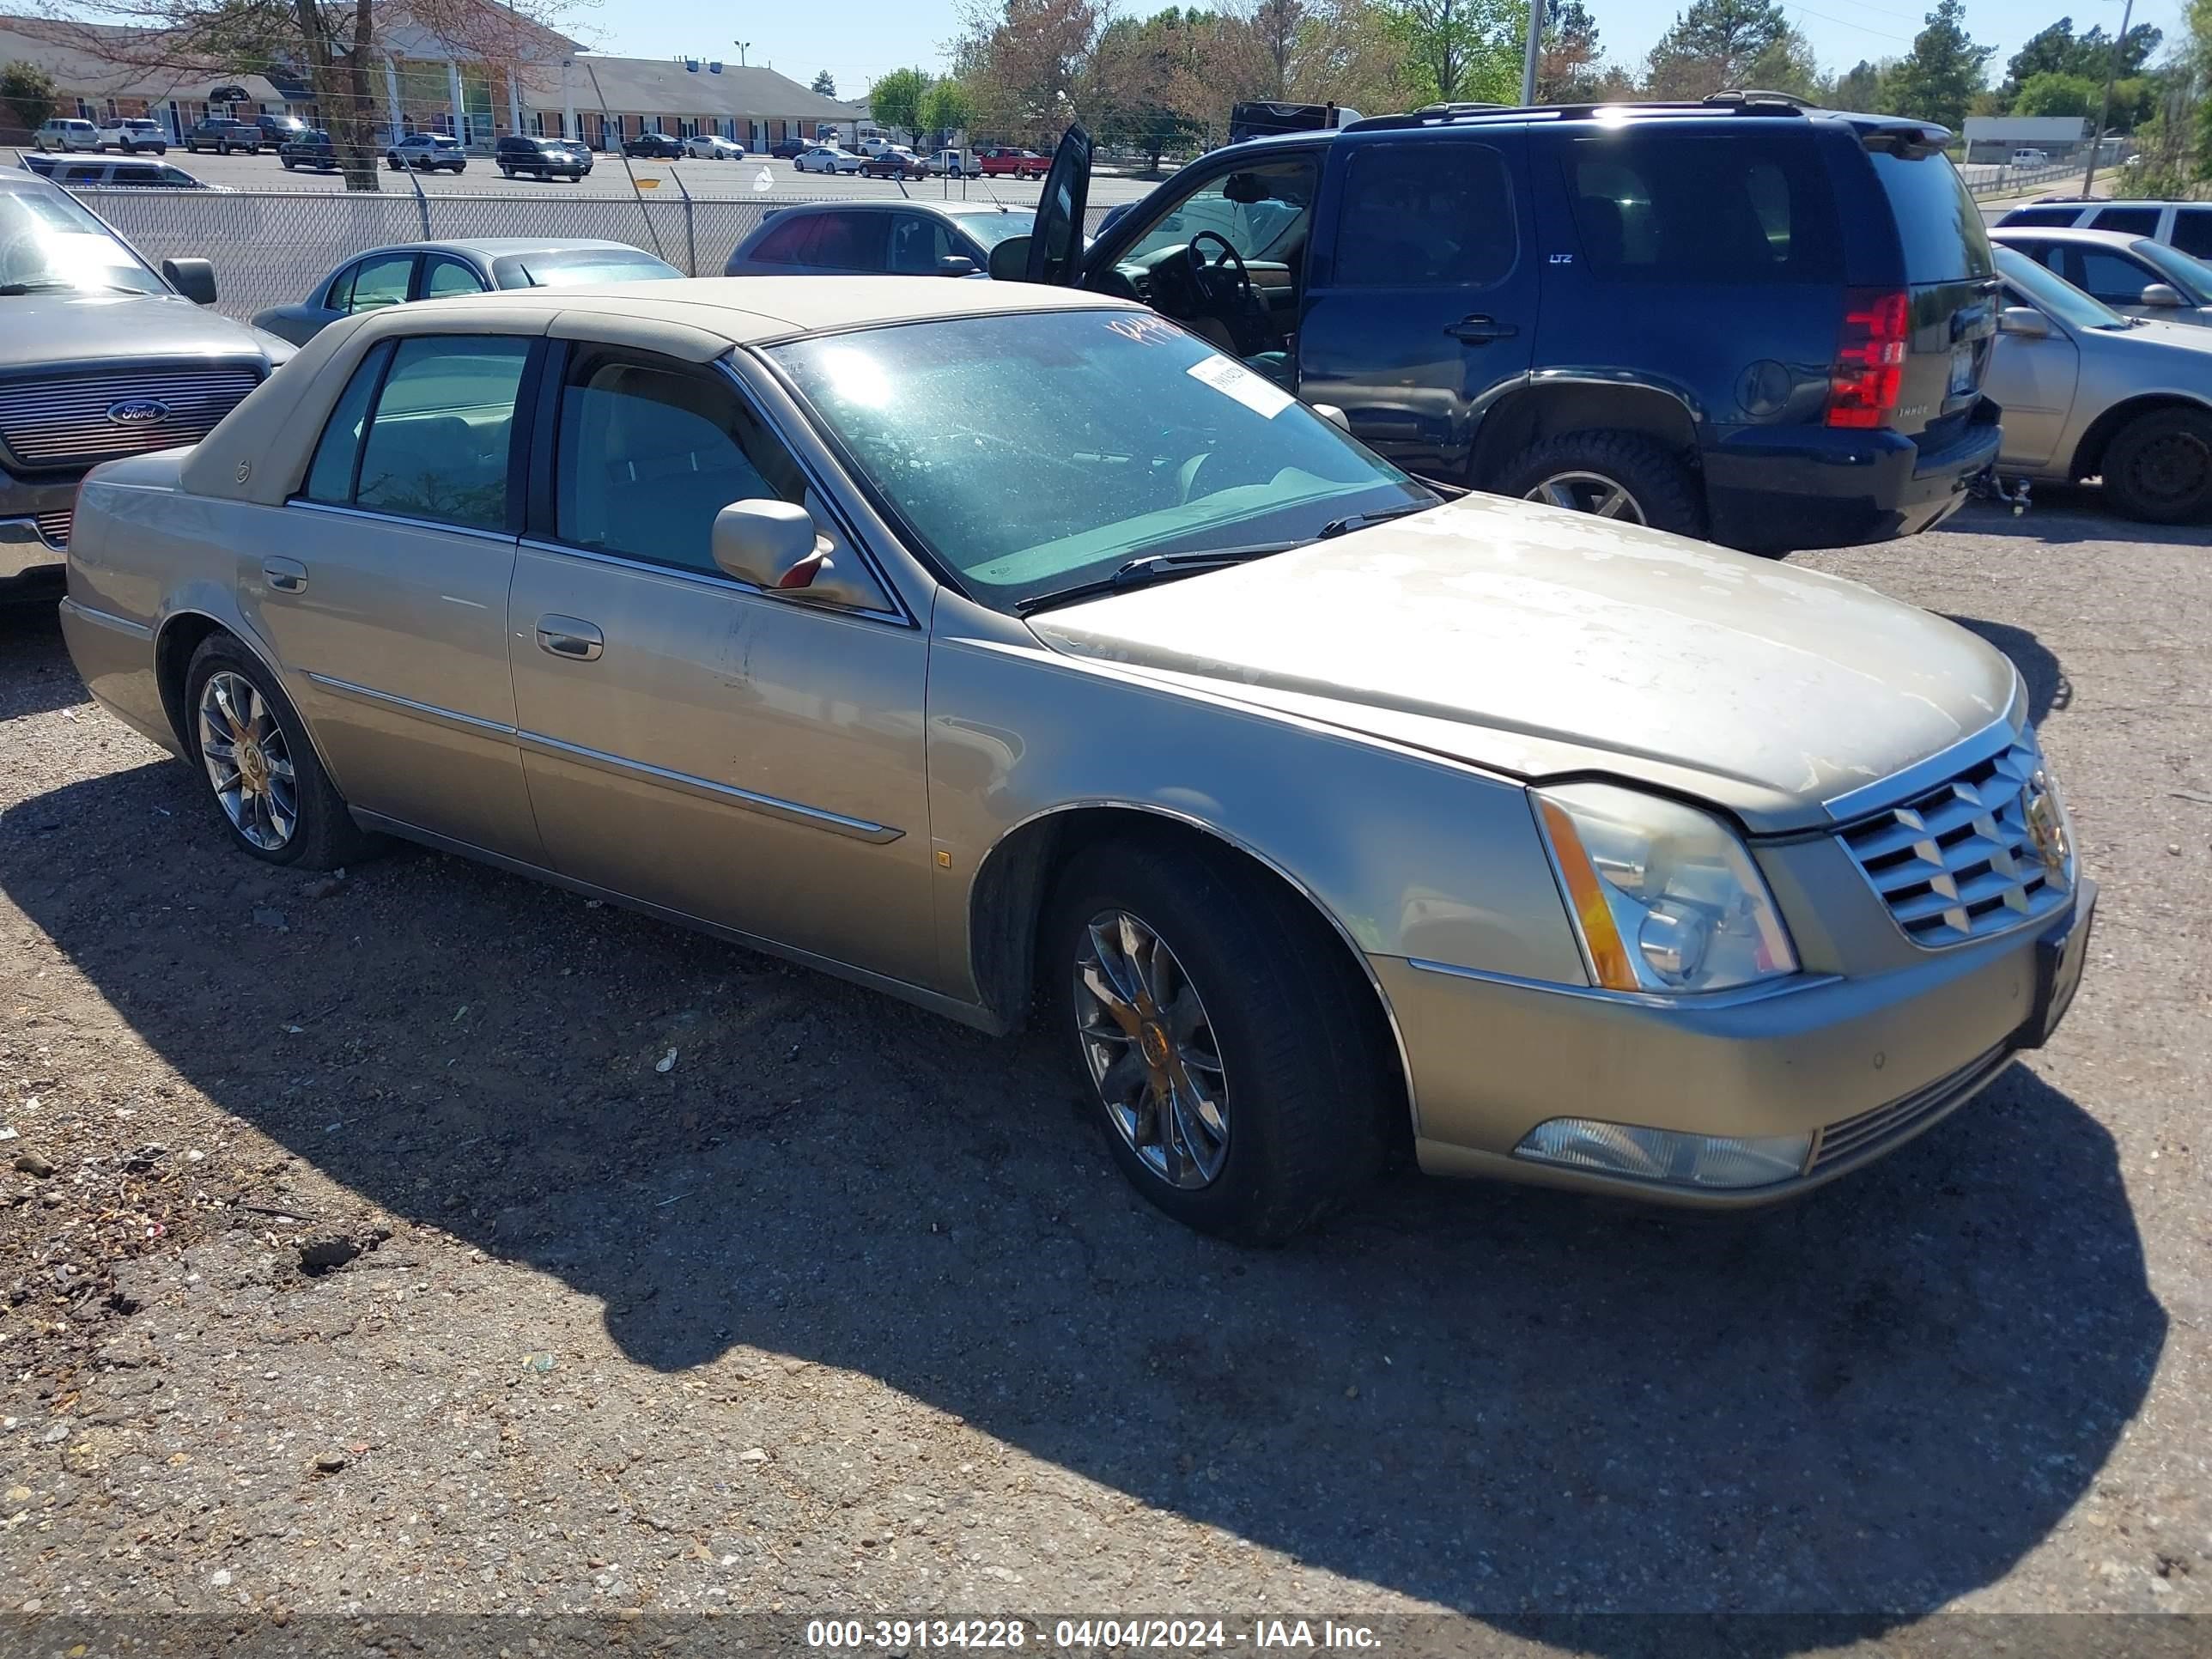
(65, 134)
(2185, 225)
(2030, 158)
(131, 134)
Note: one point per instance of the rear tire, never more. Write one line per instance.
(1654, 487)
(1265, 1022)
(322, 834)
(2158, 467)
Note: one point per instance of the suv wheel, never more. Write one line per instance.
(261, 770)
(1221, 1037)
(1616, 475)
(2158, 467)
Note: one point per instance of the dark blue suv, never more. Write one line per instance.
(1744, 318)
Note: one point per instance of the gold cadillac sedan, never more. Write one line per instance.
(1006, 649)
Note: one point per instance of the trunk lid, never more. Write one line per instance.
(1950, 282)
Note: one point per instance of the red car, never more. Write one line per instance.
(1022, 163)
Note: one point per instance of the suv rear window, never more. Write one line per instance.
(1938, 224)
(2133, 222)
(1702, 206)
(2192, 231)
(2050, 218)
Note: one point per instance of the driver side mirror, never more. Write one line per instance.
(2164, 295)
(772, 545)
(956, 264)
(2024, 322)
(195, 279)
(1010, 260)
(1335, 416)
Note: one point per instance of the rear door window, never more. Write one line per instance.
(849, 241)
(447, 278)
(2192, 231)
(438, 442)
(788, 242)
(917, 244)
(2132, 221)
(1942, 231)
(1426, 215)
(378, 282)
(1702, 206)
(2050, 218)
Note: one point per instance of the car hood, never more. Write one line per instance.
(41, 329)
(1538, 642)
(2193, 344)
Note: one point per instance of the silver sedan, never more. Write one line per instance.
(1009, 650)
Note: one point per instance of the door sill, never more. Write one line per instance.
(968, 1013)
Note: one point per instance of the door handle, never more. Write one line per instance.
(567, 636)
(285, 575)
(1480, 330)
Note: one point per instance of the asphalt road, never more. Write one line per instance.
(380, 1268)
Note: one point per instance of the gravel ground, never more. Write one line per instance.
(360, 1256)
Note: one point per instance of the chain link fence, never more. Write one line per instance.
(271, 248)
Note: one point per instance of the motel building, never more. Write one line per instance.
(566, 93)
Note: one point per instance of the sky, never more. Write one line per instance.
(857, 40)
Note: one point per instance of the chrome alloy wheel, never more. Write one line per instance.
(1588, 492)
(1151, 1049)
(244, 750)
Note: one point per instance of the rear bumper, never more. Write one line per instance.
(1774, 489)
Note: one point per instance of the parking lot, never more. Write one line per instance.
(361, 1253)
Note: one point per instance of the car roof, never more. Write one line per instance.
(496, 248)
(2067, 234)
(900, 204)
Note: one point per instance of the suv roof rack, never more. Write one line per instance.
(1733, 96)
(1761, 104)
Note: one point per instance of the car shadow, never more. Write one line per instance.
(2066, 513)
(35, 673)
(1514, 1403)
(2048, 687)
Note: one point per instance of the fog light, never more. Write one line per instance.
(1663, 1155)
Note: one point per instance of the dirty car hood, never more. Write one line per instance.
(1535, 642)
(62, 328)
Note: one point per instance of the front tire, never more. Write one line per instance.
(1231, 1054)
(264, 779)
(1624, 476)
(2158, 467)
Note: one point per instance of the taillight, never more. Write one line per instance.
(1869, 371)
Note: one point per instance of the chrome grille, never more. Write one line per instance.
(55, 526)
(1978, 854)
(1850, 1136)
(66, 422)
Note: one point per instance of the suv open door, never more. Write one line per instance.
(1055, 250)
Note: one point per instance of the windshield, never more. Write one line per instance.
(49, 242)
(2053, 296)
(993, 228)
(2192, 275)
(579, 267)
(1033, 452)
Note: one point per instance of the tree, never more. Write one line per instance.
(1718, 44)
(895, 101)
(825, 83)
(2058, 51)
(1461, 50)
(2049, 93)
(945, 108)
(1936, 80)
(1568, 69)
(334, 45)
(1858, 87)
(1023, 63)
(28, 90)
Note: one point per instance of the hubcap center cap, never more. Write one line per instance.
(253, 767)
(1157, 1050)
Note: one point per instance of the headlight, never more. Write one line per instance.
(1664, 898)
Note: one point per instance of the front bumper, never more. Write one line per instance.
(29, 559)
(1774, 489)
(1861, 1065)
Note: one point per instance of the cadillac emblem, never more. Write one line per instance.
(2046, 829)
(138, 411)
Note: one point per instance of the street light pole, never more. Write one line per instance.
(743, 46)
(1536, 8)
(2104, 103)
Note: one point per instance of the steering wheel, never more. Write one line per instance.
(1224, 289)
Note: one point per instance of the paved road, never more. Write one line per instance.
(383, 1268)
(715, 179)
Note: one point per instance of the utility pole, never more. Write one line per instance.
(2104, 103)
(1536, 9)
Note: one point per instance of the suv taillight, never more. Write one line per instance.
(1869, 371)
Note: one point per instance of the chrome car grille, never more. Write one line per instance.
(1850, 1136)
(55, 526)
(78, 419)
(1978, 854)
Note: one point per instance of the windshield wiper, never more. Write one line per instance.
(12, 289)
(1343, 527)
(1151, 567)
